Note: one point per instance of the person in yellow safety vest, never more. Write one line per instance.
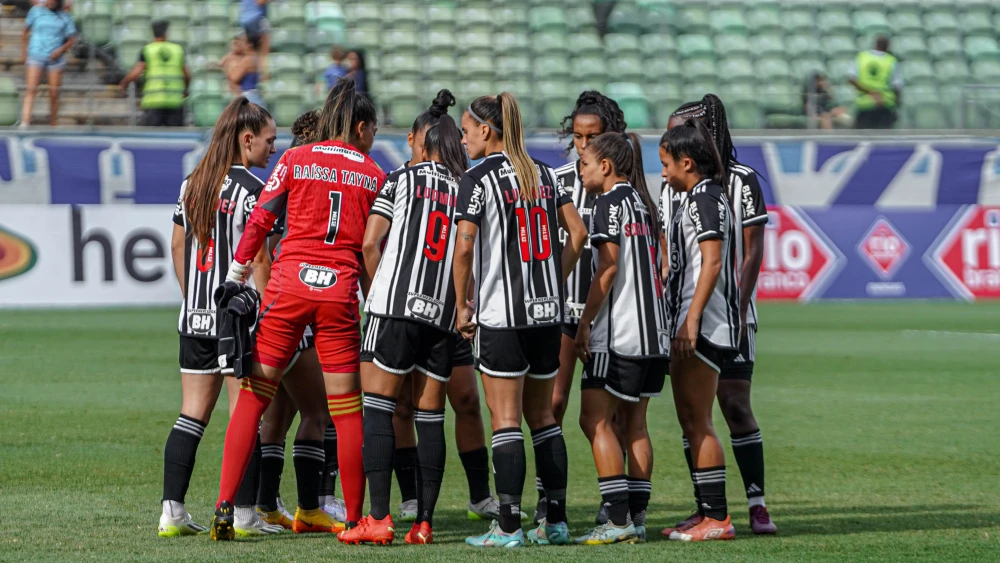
(167, 80)
(876, 77)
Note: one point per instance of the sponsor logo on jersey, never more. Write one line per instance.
(544, 309)
(431, 173)
(798, 259)
(249, 203)
(664, 338)
(206, 257)
(345, 152)
(476, 201)
(574, 310)
(966, 257)
(17, 255)
(317, 277)
(883, 248)
(424, 307)
(695, 216)
(613, 220)
(201, 320)
(277, 177)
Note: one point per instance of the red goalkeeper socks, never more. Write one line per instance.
(345, 410)
(241, 435)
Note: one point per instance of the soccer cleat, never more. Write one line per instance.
(248, 523)
(336, 509)
(760, 521)
(222, 528)
(277, 517)
(369, 530)
(602, 514)
(706, 530)
(171, 527)
(315, 521)
(496, 537)
(408, 511)
(541, 509)
(550, 534)
(420, 534)
(683, 525)
(640, 533)
(608, 533)
(487, 509)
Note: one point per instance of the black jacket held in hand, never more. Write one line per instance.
(236, 308)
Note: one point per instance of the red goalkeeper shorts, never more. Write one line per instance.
(283, 319)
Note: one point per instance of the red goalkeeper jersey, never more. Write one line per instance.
(326, 191)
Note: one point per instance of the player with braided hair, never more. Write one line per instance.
(747, 201)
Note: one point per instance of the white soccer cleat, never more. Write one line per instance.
(249, 523)
(183, 525)
(336, 509)
(408, 511)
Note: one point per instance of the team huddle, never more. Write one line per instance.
(507, 267)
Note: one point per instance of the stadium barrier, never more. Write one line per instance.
(85, 219)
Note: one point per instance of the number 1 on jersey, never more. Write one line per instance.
(533, 233)
(334, 226)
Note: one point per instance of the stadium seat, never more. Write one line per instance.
(986, 71)
(285, 67)
(834, 21)
(926, 115)
(664, 99)
(905, 21)
(212, 42)
(468, 90)
(744, 114)
(438, 41)
(400, 41)
(910, 47)
(441, 17)
(665, 70)
(404, 16)
(797, 20)
(214, 85)
(522, 91)
(945, 47)
(767, 46)
(366, 36)
(129, 42)
(206, 108)
(620, 45)
(951, 72)
(919, 73)
(288, 41)
(731, 45)
(806, 67)
(510, 42)
(476, 67)
(325, 39)
(733, 69)
(362, 12)
(780, 99)
(581, 17)
(211, 14)
(658, 45)
(839, 46)
(870, 22)
(588, 69)
(694, 18)
(696, 90)
(549, 43)
(699, 69)
(977, 22)
(774, 71)
(291, 15)
(510, 18)
(941, 22)
(728, 21)
(174, 12)
(551, 67)
(632, 100)
(546, 18)
(474, 42)
(805, 46)
(587, 43)
(10, 106)
(315, 64)
(625, 19)
(136, 13)
(401, 64)
(982, 48)
(765, 20)
(474, 18)
(838, 70)
(695, 46)
(627, 69)
(96, 20)
(513, 66)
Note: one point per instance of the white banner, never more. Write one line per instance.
(87, 255)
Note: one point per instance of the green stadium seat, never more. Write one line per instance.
(513, 66)
(620, 45)
(290, 15)
(542, 43)
(400, 40)
(387, 89)
(657, 45)
(588, 69)
(96, 20)
(906, 21)
(870, 22)
(731, 45)
(779, 99)
(839, 70)
(834, 21)
(695, 46)
(325, 39)
(774, 71)
(910, 48)
(632, 100)
(509, 17)
(581, 17)
(743, 113)
(664, 99)
(10, 106)
(175, 13)
(206, 108)
(736, 70)
(441, 17)
(403, 16)
(804, 68)
(839, 46)
(474, 42)
(210, 41)
(288, 41)
(797, 20)
(212, 14)
(404, 108)
(945, 47)
(663, 70)
(728, 21)
(982, 48)
(468, 90)
(627, 69)
(438, 41)
(951, 72)
(694, 18)
(326, 15)
(926, 115)
(315, 64)
(214, 85)
(699, 69)
(941, 22)
(476, 67)
(986, 71)
(919, 73)
(767, 46)
(585, 43)
(625, 19)
(361, 12)
(129, 42)
(977, 22)
(805, 46)
(521, 89)
(401, 64)
(511, 42)
(364, 36)
(474, 18)
(285, 67)
(441, 65)
(765, 20)
(546, 18)
(696, 90)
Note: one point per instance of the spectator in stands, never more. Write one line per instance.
(876, 76)
(819, 104)
(253, 18)
(336, 70)
(49, 33)
(354, 63)
(167, 80)
(67, 4)
(241, 67)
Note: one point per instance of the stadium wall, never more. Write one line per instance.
(84, 218)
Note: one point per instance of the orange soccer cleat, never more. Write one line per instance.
(315, 521)
(369, 530)
(420, 534)
(706, 530)
(684, 525)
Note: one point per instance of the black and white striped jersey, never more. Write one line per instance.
(414, 279)
(206, 268)
(632, 322)
(518, 268)
(703, 215)
(578, 283)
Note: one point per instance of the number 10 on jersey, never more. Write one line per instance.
(533, 233)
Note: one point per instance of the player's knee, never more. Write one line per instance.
(466, 405)
(539, 417)
(739, 415)
(403, 412)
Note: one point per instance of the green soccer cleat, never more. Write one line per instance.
(497, 538)
(550, 534)
(223, 528)
(607, 534)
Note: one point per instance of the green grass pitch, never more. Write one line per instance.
(879, 421)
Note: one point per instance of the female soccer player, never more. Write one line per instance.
(212, 211)
(734, 380)
(327, 190)
(625, 351)
(703, 301)
(510, 208)
(411, 315)
(463, 393)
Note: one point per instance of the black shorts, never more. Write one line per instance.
(875, 118)
(308, 342)
(628, 379)
(569, 329)
(741, 367)
(515, 352)
(163, 117)
(713, 355)
(400, 346)
(463, 353)
(200, 355)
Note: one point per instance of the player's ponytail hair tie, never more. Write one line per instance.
(483, 121)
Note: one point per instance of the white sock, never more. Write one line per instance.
(245, 516)
(173, 509)
(756, 501)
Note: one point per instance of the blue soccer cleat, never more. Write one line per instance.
(497, 538)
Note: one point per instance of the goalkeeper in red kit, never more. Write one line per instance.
(327, 190)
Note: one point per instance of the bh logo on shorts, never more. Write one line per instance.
(543, 310)
(424, 307)
(201, 320)
(317, 277)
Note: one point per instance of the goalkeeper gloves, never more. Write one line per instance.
(238, 272)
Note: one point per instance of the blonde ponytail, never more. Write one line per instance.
(513, 145)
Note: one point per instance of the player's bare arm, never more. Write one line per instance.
(600, 286)
(177, 243)
(753, 256)
(711, 266)
(465, 242)
(375, 233)
(570, 221)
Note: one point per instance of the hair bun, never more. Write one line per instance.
(441, 103)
